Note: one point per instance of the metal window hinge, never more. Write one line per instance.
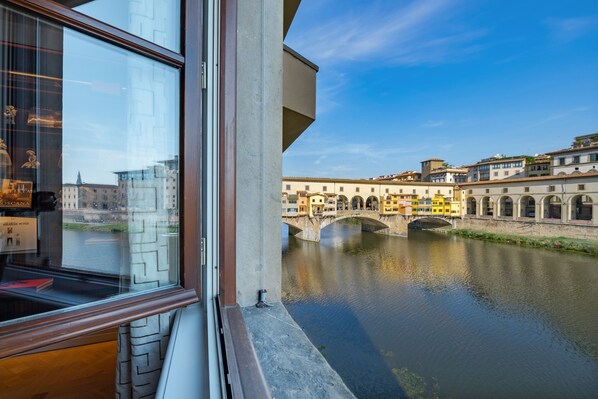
(204, 76)
(203, 251)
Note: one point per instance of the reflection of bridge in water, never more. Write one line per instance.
(309, 228)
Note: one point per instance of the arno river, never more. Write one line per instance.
(442, 316)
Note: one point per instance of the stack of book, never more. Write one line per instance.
(34, 284)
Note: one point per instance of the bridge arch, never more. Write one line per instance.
(294, 228)
(429, 222)
(372, 203)
(367, 223)
(357, 203)
(505, 206)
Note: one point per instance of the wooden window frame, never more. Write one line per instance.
(21, 336)
(227, 289)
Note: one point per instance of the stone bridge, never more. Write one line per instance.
(306, 228)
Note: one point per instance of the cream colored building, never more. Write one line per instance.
(581, 157)
(540, 166)
(410, 175)
(448, 175)
(316, 203)
(363, 194)
(496, 168)
(289, 205)
(330, 206)
(104, 197)
(571, 199)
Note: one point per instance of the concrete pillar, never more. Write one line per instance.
(259, 143)
(539, 211)
(479, 208)
(595, 214)
(516, 206)
(565, 217)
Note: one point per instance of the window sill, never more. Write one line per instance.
(21, 337)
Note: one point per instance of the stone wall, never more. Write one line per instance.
(529, 228)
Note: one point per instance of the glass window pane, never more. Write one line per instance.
(89, 169)
(157, 21)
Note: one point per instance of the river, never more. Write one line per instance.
(441, 316)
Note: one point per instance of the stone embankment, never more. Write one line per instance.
(579, 237)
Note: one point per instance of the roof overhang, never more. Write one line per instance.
(299, 95)
(290, 9)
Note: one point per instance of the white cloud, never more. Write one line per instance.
(564, 30)
(432, 124)
(422, 32)
(333, 84)
(564, 114)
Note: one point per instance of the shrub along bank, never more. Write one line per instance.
(556, 243)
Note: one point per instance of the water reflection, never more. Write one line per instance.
(446, 315)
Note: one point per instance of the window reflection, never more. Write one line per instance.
(155, 20)
(88, 169)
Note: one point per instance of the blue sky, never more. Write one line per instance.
(401, 81)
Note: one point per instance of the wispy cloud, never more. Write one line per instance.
(422, 32)
(324, 155)
(432, 124)
(334, 83)
(564, 30)
(320, 159)
(564, 114)
(571, 113)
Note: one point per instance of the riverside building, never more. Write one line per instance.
(498, 167)
(581, 157)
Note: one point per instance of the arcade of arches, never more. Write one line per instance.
(575, 208)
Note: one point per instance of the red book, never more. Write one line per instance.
(38, 284)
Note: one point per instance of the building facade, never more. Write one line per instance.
(428, 166)
(566, 199)
(448, 175)
(410, 175)
(581, 157)
(539, 166)
(496, 168)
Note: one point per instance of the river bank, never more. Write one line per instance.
(96, 227)
(554, 243)
(107, 227)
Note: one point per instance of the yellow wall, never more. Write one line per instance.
(389, 204)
